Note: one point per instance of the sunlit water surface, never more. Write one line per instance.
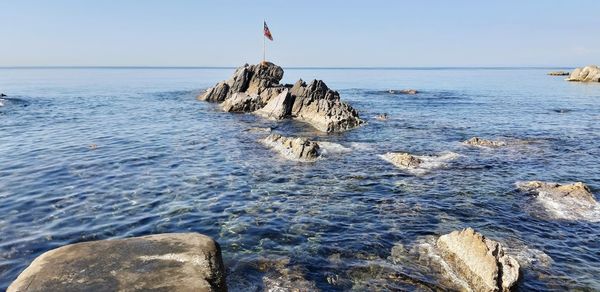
(165, 162)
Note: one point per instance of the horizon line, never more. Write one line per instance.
(290, 67)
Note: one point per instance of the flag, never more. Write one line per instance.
(268, 32)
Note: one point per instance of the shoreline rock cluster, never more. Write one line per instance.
(585, 74)
(256, 89)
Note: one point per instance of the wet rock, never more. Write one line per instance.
(2, 95)
(297, 149)
(241, 102)
(403, 91)
(586, 74)
(476, 141)
(563, 201)
(558, 73)
(281, 277)
(279, 107)
(259, 130)
(314, 103)
(169, 262)
(479, 260)
(403, 160)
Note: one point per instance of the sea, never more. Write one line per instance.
(108, 152)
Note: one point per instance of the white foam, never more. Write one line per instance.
(429, 162)
(568, 208)
(332, 148)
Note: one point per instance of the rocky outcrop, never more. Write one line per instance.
(419, 164)
(481, 261)
(558, 73)
(256, 88)
(476, 141)
(585, 74)
(297, 149)
(563, 201)
(165, 262)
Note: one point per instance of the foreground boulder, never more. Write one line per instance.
(585, 74)
(563, 201)
(479, 260)
(480, 142)
(256, 88)
(297, 149)
(165, 262)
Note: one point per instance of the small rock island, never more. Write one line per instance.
(256, 89)
(586, 74)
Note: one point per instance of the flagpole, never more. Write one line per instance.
(264, 46)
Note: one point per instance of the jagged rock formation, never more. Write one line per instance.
(297, 149)
(161, 262)
(476, 141)
(256, 88)
(585, 74)
(563, 201)
(479, 260)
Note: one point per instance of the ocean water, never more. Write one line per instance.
(161, 161)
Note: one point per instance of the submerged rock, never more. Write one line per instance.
(476, 141)
(419, 165)
(479, 260)
(558, 73)
(586, 74)
(256, 88)
(403, 91)
(563, 201)
(169, 262)
(297, 149)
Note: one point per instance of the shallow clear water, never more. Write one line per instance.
(165, 162)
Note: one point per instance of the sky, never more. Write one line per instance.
(373, 33)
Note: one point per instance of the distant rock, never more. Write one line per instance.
(563, 201)
(482, 262)
(165, 262)
(403, 91)
(404, 160)
(558, 73)
(256, 88)
(382, 117)
(297, 149)
(476, 141)
(419, 164)
(2, 95)
(585, 74)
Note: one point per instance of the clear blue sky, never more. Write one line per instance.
(307, 33)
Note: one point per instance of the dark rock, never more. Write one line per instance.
(558, 73)
(217, 93)
(241, 102)
(297, 149)
(161, 262)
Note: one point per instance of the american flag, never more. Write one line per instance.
(268, 32)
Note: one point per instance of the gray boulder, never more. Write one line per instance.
(558, 73)
(479, 260)
(476, 141)
(586, 74)
(314, 103)
(161, 262)
(296, 149)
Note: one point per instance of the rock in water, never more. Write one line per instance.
(558, 73)
(481, 261)
(314, 103)
(297, 149)
(403, 160)
(476, 141)
(564, 201)
(403, 91)
(165, 262)
(585, 74)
